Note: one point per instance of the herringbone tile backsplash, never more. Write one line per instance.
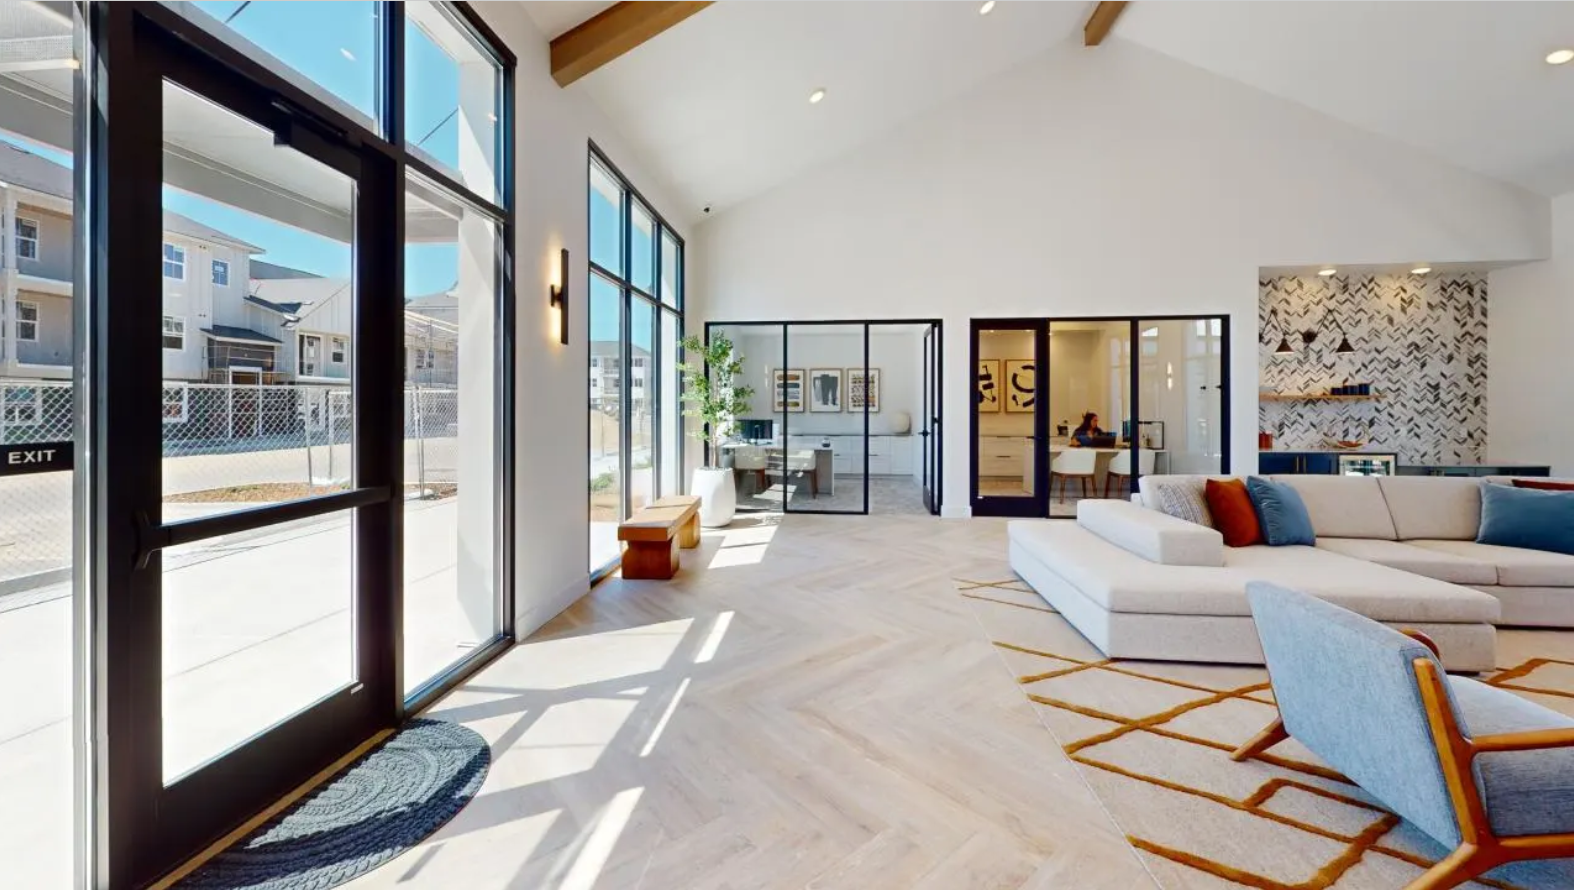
(1420, 341)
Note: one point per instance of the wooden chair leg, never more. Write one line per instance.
(1460, 866)
(1271, 735)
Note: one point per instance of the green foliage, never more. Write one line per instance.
(714, 397)
(602, 482)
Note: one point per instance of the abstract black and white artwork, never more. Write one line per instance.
(825, 390)
(1021, 385)
(989, 385)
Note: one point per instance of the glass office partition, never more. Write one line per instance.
(1181, 426)
(832, 395)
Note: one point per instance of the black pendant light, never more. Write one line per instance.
(1284, 347)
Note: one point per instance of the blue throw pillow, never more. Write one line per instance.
(1281, 513)
(1527, 517)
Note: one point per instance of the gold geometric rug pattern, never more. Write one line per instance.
(1152, 740)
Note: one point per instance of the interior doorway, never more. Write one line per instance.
(1073, 409)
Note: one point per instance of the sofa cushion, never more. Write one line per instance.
(1150, 534)
(1516, 567)
(1524, 517)
(1420, 560)
(1178, 496)
(1120, 581)
(1281, 513)
(1431, 507)
(1525, 792)
(1233, 513)
(1344, 506)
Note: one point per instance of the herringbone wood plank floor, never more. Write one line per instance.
(808, 704)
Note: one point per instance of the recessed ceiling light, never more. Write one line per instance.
(816, 96)
(1326, 271)
(1560, 57)
(987, 8)
(1420, 270)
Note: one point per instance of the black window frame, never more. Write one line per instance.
(119, 842)
(630, 295)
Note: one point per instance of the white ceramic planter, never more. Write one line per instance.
(718, 495)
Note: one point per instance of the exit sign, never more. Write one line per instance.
(36, 457)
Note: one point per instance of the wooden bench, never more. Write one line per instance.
(654, 535)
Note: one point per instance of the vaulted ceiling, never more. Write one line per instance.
(719, 104)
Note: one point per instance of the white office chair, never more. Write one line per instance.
(1074, 463)
(1120, 469)
(751, 459)
(797, 462)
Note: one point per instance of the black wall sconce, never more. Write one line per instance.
(557, 295)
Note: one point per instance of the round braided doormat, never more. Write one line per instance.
(381, 805)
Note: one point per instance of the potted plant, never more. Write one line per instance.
(717, 400)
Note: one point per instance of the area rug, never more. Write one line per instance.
(1152, 740)
(381, 805)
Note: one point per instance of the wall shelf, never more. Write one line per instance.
(1314, 397)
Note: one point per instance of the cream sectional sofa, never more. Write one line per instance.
(1401, 550)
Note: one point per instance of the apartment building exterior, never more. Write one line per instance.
(229, 318)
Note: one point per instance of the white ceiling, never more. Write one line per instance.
(1462, 80)
(718, 105)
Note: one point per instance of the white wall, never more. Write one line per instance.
(1106, 182)
(553, 129)
(1531, 417)
(898, 356)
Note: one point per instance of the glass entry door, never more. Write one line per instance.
(1010, 425)
(257, 638)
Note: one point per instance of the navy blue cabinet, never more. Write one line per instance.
(1326, 463)
(1276, 463)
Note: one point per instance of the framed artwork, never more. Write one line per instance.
(1021, 385)
(825, 390)
(860, 390)
(788, 386)
(988, 385)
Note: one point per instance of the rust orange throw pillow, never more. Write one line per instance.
(1544, 485)
(1233, 513)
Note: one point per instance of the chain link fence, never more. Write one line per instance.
(223, 444)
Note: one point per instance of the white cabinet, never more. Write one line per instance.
(1003, 456)
(902, 451)
(886, 455)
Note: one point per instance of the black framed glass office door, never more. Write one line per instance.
(206, 732)
(1009, 423)
(929, 421)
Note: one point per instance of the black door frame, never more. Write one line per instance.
(136, 827)
(931, 430)
(1041, 396)
(1037, 503)
(937, 326)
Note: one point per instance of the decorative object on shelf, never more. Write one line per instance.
(988, 397)
(1021, 385)
(788, 388)
(1349, 440)
(825, 390)
(861, 387)
(717, 399)
(901, 423)
(1150, 434)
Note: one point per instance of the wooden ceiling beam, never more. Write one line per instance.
(1101, 21)
(611, 33)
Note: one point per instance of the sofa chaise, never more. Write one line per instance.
(1142, 584)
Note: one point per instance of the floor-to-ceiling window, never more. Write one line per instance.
(298, 213)
(636, 323)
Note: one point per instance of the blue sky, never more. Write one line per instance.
(604, 250)
(334, 45)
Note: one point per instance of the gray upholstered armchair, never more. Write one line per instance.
(1480, 769)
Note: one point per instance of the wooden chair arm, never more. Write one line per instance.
(1533, 740)
(1423, 639)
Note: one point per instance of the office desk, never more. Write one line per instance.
(1161, 460)
(824, 466)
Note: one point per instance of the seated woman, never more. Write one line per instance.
(1086, 431)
